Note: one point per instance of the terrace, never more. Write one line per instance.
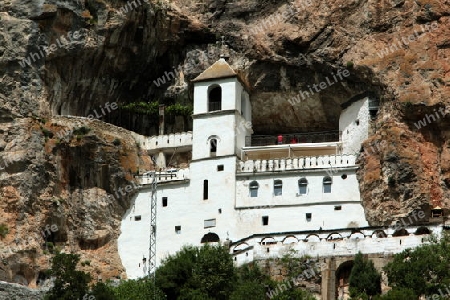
(264, 147)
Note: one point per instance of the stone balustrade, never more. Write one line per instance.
(299, 163)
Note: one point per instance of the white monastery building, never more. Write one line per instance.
(256, 193)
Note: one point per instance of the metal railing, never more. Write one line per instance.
(294, 138)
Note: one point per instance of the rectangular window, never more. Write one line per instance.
(265, 220)
(338, 207)
(278, 187)
(219, 168)
(178, 229)
(210, 223)
(327, 188)
(205, 189)
(164, 201)
(137, 218)
(308, 216)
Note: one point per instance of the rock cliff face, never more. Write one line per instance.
(396, 50)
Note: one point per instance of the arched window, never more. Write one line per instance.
(213, 147)
(302, 186)
(215, 98)
(278, 187)
(254, 186)
(327, 184)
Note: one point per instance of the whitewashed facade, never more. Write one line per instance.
(300, 187)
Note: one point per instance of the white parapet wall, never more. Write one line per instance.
(300, 163)
(330, 243)
(160, 142)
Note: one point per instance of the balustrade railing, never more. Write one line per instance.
(307, 162)
(163, 176)
(294, 138)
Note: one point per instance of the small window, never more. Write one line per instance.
(302, 186)
(327, 184)
(265, 220)
(210, 223)
(338, 207)
(137, 218)
(164, 201)
(220, 210)
(219, 168)
(278, 187)
(178, 229)
(357, 122)
(344, 176)
(205, 189)
(308, 216)
(254, 189)
(213, 147)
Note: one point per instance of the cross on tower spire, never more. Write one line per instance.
(224, 51)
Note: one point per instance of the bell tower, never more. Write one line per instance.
(222, 113)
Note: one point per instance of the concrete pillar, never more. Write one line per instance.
(329, 279)
(161, 161)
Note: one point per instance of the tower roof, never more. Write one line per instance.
(219, 69)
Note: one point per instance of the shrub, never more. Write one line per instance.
(3, 230)
(83, 130)
(85, 263)
(69, 283)
(47, 133)
(398, 294)
(116, 142)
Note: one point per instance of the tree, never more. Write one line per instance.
(197, 273)
(102, 291)
(69, 284)
(398, 294)
(364, 278)
(251, 283)
(424, 269)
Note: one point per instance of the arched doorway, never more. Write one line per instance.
(210, 237)
(342, 280)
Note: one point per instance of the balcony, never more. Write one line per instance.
(297, 163)
(163, 176)
(294, 138)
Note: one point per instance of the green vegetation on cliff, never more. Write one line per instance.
(193, 273)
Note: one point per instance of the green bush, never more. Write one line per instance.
(3, 230)
(47, 133)
(80, 131)
(145, 108)
(397, 294)
(152, 108)
(116, 142)
(141, 289)
(102, 291)
(69, 284)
